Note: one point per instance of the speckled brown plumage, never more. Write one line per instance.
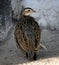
(27, 35)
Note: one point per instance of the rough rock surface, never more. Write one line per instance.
(5, 19)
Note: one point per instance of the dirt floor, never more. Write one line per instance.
(10, 55)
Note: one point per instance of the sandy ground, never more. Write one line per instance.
(10, 55)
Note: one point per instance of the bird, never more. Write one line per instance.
(28, 34)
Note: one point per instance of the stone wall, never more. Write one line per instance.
(16, 7)
(5, 18)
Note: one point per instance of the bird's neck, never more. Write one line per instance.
(25, 17)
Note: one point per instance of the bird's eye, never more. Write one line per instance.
(28, 10)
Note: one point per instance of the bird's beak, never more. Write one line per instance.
(34, 11)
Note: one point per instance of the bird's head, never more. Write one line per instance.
(28, 11)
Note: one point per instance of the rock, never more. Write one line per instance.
(5, 19)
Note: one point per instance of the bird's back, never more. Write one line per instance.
(27, 33)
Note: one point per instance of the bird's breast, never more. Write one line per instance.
(29, 31)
